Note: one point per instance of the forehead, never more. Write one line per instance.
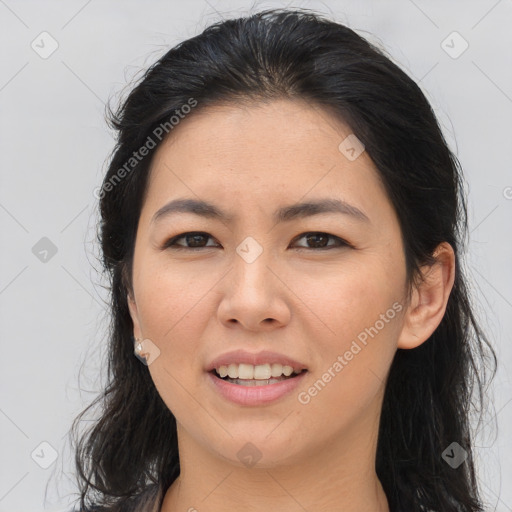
(252, 154)
(258, 132)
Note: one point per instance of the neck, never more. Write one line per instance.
(339, 477)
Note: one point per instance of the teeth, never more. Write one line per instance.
(245, 371)
(258, 372)
(261, 372)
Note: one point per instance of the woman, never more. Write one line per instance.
(282, 223)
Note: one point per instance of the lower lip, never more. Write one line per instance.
(255, 395)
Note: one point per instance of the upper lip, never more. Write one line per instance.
(244, 357)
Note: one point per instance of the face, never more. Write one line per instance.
(325, 288)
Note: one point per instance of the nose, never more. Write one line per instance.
(254, 296)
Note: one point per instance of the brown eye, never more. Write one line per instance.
(318, 240)
(194, 240)
(199, 240)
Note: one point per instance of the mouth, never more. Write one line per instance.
(257, 382)
(262, 385)
(250, 379)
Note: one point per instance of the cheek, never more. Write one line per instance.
(338, 310)
(352, 299)
(356, 341)
(172, 315)
(351, 371)
(170, 298)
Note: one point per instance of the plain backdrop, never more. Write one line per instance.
(61, 61)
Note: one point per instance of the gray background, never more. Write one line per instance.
(53, 149)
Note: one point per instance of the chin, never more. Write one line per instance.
(258, 451)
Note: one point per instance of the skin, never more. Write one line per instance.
(310, 304)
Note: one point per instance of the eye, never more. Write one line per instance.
(319, 240)
(196, 240)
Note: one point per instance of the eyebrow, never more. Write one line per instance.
(283, 214)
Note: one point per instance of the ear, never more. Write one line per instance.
(132, 306)
(429, 299)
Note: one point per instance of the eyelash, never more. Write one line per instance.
(171, 243)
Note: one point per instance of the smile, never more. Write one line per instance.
(253, 392)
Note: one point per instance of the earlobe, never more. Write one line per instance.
(429, 299)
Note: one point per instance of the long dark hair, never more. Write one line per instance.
(132, 451)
